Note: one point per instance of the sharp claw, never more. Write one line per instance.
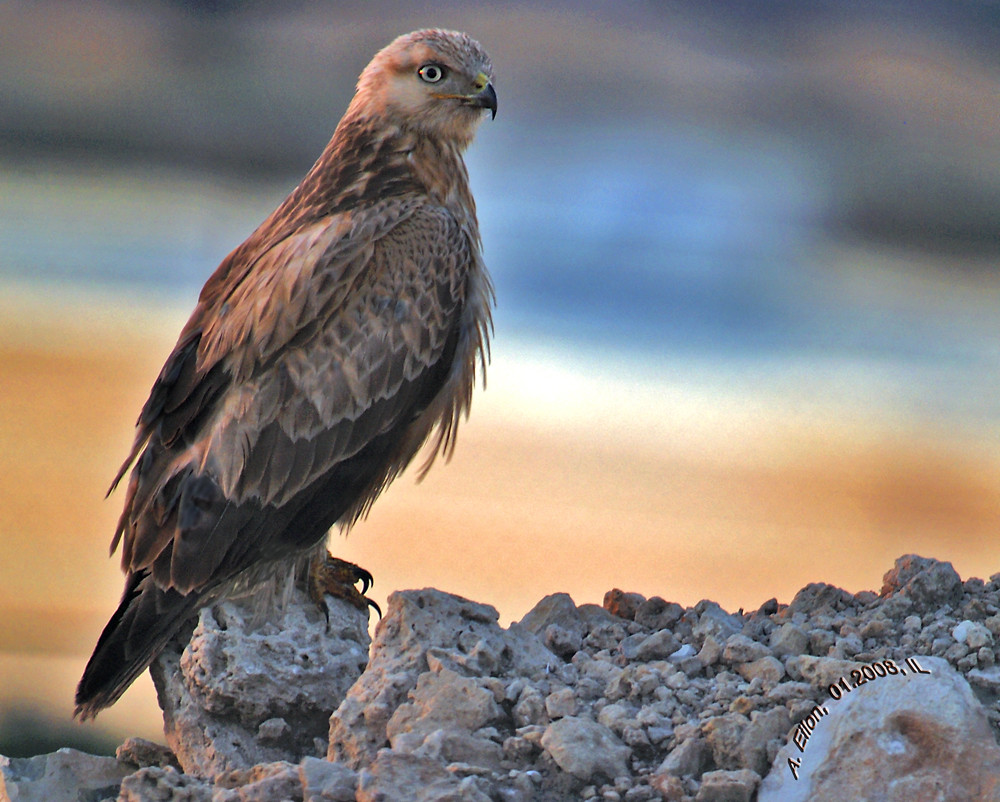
(365, 578)
(335, 577)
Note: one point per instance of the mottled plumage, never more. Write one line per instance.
(322, 354)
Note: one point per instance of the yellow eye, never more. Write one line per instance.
(431, 73)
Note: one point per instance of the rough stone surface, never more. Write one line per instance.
(586, 749)
(923, 581)
(436, 660)
(240, 691)
(911, 737)
(63, 776)
(727, 786)
(655, 701)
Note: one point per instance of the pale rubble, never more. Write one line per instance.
(63, 776)
(641, 700)
(237, 691)
(916, 737)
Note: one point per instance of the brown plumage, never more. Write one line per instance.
(322, 354)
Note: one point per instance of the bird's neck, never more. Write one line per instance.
(439, 167)
(365, 163)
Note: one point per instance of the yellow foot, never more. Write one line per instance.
(338, 578)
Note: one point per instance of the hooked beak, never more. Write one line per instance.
(484, 99)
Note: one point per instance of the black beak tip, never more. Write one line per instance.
(489, 100)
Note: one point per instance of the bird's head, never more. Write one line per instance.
(439, 82)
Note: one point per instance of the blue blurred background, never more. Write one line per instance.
(771, 205)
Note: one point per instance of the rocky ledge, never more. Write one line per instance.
(834, 696)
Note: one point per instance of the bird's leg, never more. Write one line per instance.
(336, 577)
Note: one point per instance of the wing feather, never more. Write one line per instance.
(319, 351)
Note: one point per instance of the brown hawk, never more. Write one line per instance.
(321, 355)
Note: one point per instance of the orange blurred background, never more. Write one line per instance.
(837, 408)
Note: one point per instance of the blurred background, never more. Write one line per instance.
(746, 263)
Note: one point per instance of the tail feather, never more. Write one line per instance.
(145, 621)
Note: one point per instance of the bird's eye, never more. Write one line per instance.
(431, 73)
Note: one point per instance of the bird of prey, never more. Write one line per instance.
(322, 353)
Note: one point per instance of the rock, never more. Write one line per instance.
(768, 670)
(790, 690)
(238, 691)
(586, 749)
(530, 708)
(440, 699)
(820, 672)
(669, 786)
(915, 737)
(741, 649)
(764, 729)
(63, 776)
(561, 641)
(557, 608)
(713, 620)
(972, 634)
(622, 604)
(141, 753)
(561, 703)
(156, 784)
(711, 651)
(323, 781)
(558, 623)
(788, 639)
(397, 776)
(818, 597)
(658, 646)
(924, 581)
(728, 786)
(261, 783)
(986, 683)
(461, 635)
(724, 735)
(657, 614)
(675, 704)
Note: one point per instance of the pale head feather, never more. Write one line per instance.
(390, 87)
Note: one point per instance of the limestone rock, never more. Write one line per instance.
(918, 737)
(556, 620)
(238, 690)
(923, 580)
(713, 620)
(819, 597)
(728, 786)
(574, 702)
(421, 628)
(656, 613)
(689, 758)
(820, 672)
(261, 783)
(141, 753)
(398, 777)
(724, 735)
(788, 639)
(767, 669)
(63, 776)
(586, 749)
(441, 698)
(741, 649)
(556, 608)
(323, 781)
(622, 604)
(159, 784)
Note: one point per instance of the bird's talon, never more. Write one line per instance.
(332, 576)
